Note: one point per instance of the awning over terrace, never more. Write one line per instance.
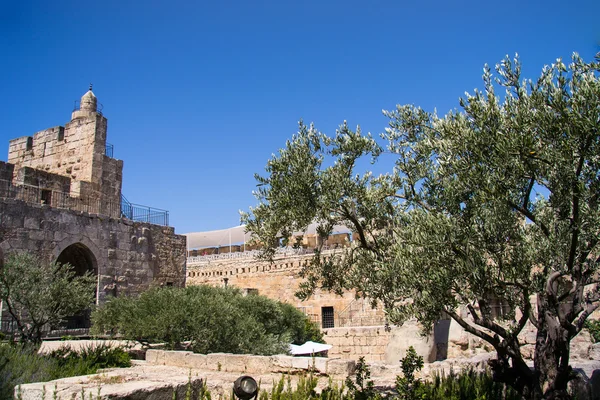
(238, 235)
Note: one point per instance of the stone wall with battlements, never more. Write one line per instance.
(76, 151)
(278, 281)
(281, 280)
(128, 256)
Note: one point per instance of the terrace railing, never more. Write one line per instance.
(137, 212)
(281, 252)
(53, 198)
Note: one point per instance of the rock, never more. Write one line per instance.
(594, 352)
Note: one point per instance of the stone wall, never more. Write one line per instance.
(251, 364)
(129, 256)
(6, 173)
(42, 179)
(75, 151)
(278, 281)
(378, 344)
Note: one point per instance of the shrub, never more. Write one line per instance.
(407, 385)
(20, 365)
(211, 319)
(593, 326)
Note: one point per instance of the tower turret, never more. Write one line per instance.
(87, 105)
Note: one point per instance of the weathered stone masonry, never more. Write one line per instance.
(128, 256)
(60, 198)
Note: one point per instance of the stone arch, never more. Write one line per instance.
(82, 259)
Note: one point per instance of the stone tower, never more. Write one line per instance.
(77, 151)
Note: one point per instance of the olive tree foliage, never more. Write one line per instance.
(205, 319)
(39, 294)
(495, 203)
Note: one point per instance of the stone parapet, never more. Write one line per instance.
(250, 364)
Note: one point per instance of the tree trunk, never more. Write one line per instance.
(551, 359)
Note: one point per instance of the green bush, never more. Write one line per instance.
(469, 384)
(89, 359)
(20, 365)
(211, 319)
(593, 326)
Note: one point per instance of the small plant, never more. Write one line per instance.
(408, 386)
(593, 327)
(363, 387)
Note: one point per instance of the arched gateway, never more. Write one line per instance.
(82, 260)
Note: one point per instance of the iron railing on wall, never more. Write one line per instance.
(77, 106)
(8, 326)
(53, 198)
(109, 150)
(140, 213)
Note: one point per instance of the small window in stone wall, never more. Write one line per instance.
(61, 133)
(46, 197)
(251, 292)
(327, 317)
(168, 284)
(29, 145)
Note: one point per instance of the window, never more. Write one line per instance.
(327, 320)
(251, 292)
(46, 197)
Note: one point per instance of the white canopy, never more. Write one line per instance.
(238, 235)
(309, 348)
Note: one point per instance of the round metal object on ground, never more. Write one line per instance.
(245, 387)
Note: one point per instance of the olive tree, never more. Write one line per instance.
(37, 293)
(494, 203)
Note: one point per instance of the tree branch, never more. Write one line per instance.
(532, 217)
(472, 330)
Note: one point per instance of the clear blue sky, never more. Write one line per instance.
(199, 94)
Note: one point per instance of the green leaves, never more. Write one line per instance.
(38, 293)
(210, 319)
(485, 207)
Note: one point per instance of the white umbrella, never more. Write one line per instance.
(309, 348)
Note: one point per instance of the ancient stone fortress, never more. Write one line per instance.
(349, 324)
(60, 198)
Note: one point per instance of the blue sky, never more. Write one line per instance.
(199, 94)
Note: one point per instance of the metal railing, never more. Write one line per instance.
(9, 327)
(77, 106)
(281, 252)
(109, 150)
(244, 254)
(140, 213)
(52, 198)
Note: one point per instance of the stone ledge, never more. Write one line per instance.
(245, 363)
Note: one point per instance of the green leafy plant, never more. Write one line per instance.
(206, 319)
(19, 365)
(593, 327)
(362, 388)
(407, 385)
(37, 293)
(484, 208)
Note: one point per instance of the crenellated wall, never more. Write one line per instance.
(75, 151)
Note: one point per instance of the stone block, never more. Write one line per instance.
(282, 363)
(340, 368)
(155, 357)
(176, 358)
(193, 360)
(301, 362)
(258, 364)
(31, 223)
